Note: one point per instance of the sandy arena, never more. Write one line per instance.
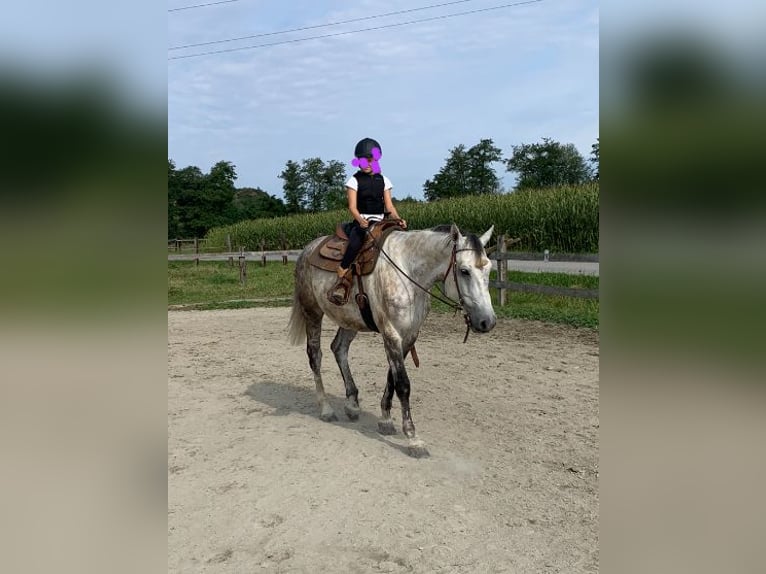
(257, 483)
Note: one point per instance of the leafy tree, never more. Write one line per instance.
(408, 199)
(466, 172)
(184, 192)
(220, 191)
(173, 192)
(594, 159)
(335, 179)
(547, 164)
(254, 203)
(197, 201)
(482, 178)
(293, 188)
(314, 186)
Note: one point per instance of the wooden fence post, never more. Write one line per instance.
(242, 267)
(228, 242)
(502, 266)
(196, 246)
(263, 253)
(284, 250)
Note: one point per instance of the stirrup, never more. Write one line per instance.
(338, 295)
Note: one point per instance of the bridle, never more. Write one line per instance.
(446, 299)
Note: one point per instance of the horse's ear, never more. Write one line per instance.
(454, 232)
(485, 238)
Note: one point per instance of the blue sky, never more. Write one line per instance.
(515, 75)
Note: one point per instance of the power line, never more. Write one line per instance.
(319, 25)
(201, 5)
(354, 31)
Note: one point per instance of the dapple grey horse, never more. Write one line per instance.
(410, 264)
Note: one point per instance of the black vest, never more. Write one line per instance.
(369, 192)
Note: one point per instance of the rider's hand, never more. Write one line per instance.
(403, 224)
(364, 224)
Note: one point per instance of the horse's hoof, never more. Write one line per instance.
(417, 449)
(352, 413)
(328, 417)
(386, 427)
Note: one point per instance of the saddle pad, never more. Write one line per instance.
(330, 252)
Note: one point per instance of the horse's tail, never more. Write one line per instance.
(296, 328)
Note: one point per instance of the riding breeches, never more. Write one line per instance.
(355, 240)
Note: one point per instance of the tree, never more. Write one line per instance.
(197, 201)
(254, 203)
(466, 172)
(409, 199)
(173, 192)
(594, 159)
(184, 191)
(220, 191)
(314, 182)
(314, 186)
(335, 179)
(547, 164)
(293, 188)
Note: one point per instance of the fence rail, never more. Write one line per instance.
(178, 245)
(501, 259)
(501, 256)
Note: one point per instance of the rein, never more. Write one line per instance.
(447, 300)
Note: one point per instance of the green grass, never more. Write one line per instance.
(216, 285)
(553, 309)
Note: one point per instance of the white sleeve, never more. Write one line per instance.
(352, 183)
(387, 183)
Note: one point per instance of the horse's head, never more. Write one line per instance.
(468, 281)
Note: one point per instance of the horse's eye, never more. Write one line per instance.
(465, 272)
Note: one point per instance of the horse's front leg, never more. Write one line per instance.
(386, 425)
(397, 375)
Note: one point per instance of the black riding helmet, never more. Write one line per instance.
(364, 148)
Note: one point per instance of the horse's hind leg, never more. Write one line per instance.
(314, 351)
(339, 346)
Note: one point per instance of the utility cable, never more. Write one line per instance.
(269, 44)
(319, 25)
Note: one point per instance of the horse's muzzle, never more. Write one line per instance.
(482, 324)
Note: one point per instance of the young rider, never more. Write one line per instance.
(369, 200)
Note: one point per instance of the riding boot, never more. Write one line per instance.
(340, 291)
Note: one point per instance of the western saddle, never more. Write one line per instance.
(330, 252)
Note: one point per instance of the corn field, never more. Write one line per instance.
(561, 219)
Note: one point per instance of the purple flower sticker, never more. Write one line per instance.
(363, 162)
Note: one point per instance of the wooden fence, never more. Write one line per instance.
(501, 255)
(498, 253)
(180, 245)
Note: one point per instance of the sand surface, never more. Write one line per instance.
(257, 483)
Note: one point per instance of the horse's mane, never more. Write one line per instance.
(444, 228)
(472, 238)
